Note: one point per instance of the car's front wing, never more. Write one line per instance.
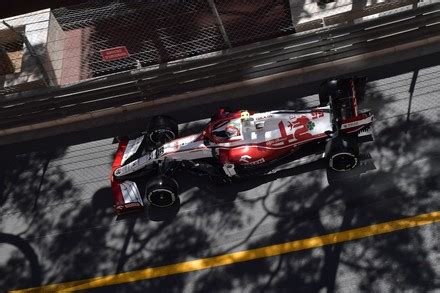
(126, 195)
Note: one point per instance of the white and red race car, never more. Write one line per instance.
(235, 144)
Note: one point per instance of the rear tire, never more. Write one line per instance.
(162, 129)
(161, 192)
(342, 154)
(326, 90)
(360, 84)
(343, 161)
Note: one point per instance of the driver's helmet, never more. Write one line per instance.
(244, 115)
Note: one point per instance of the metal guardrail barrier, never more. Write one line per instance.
(268, 58)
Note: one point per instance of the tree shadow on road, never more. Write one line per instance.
(83, 240)
(25, 181)
(305, 207)
(405, 184)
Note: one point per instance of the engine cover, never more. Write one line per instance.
(251, 154)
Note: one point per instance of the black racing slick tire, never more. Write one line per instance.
(343, 161)
(342, 153)
(326, 90)
(161, 192)
(162, 129)
(360, 84)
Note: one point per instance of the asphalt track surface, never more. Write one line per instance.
(57, 222)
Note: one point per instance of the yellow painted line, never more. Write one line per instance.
(241, 256)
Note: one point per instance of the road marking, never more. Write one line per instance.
(241, 256)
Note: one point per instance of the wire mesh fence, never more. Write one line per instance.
(161, 31)
(97, 38)
(71, 44)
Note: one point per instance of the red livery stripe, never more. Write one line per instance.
(116, 188)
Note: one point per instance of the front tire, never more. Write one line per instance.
(162, 129)
(161, 192)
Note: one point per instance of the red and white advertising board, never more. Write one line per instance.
(113, 54)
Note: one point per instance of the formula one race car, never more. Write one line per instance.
(236, 144)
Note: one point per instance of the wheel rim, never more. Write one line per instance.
(161, 136)
(161, 198)
(343, 162)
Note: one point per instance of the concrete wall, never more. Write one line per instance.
(53, 61)
(35, 27)
(76, 49)
(47, 39)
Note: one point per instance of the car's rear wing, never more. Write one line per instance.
(357, 123)
(352, 121)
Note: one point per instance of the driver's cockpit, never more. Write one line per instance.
(235, 126)
(228, 130)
